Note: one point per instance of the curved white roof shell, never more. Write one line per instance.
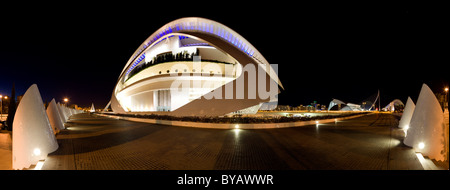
(392, 104)
(135, 95)
(335, 102)
(196, 25)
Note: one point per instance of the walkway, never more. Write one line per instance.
(370, 142)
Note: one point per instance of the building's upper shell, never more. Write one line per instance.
(201, 25)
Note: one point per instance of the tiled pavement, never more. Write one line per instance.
(97, 143)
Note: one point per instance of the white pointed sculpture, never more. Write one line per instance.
(61, 113)
(69, 113)
(92, 108)
(54, 117)
(407, 114)
(66, 112)
(426, 129)
(33, 136)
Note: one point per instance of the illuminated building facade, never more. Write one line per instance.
(195, 67)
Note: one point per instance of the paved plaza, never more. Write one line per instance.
(371, 142)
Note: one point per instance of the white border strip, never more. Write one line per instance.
(427, 164)
(232, 125)
(39, 165)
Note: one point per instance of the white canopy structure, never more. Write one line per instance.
(352, 107)
(392, 104)
(342, 106)
(33, 136)
(335, 102)
(426, 133)
(407, 115)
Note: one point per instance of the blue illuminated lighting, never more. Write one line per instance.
(251, 54)
(135, 63)
(198, 26)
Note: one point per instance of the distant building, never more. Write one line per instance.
(310, 108)
(300, 108)
(339, 105)
(283, 108)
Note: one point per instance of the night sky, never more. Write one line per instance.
(322, 52)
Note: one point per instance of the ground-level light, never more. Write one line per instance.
(421, 145)
(37, 151)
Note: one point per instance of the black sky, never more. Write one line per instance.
(322, 51)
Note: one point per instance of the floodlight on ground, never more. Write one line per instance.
(421, 145)
(39, 165)
(405, 129)
(37, 151)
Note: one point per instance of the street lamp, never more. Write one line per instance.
(66, 100)
(1, 106)
(446, 97)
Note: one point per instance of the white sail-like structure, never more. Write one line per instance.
(54, 117)
(66, 112)
(61, 112)
(33, 136)
(407, 115)
(92, 108)
(426, 129)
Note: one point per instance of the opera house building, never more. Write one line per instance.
(195, 67)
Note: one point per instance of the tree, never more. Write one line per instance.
(11, 109)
